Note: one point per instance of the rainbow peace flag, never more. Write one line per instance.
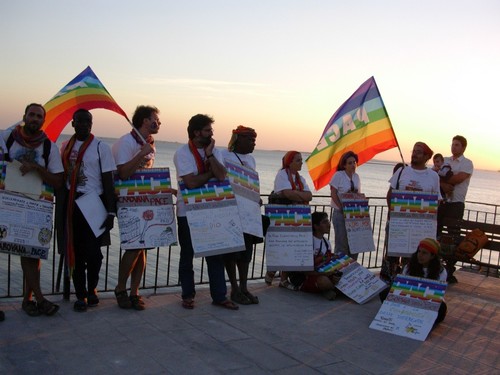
(84, 91)
(361, 125)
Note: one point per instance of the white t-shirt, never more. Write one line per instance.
(185, 164)
(418, 180)
(342, 182)
(247, 159)
(321, 245)
(125, 148)
(460, 164)
(89, 178)
(443, 275)
(281, 182)
(18, 152)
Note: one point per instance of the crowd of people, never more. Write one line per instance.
(87, 165)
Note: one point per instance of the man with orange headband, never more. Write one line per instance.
(239, 150)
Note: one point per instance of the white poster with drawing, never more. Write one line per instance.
(146, 221)
(25, 225)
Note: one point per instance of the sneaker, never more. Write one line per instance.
(137, 303)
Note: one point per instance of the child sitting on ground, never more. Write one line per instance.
(314, 281)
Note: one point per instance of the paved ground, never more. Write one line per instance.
(287, 333)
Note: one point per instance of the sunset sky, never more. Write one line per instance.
(282, 67)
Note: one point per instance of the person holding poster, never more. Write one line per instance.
(88, 170)
(416, 177)
(239, 150)
(425, 263)
(197, 162)
(290, 185)
(3, 149)
(345, 180)
(131, 152)
(314, 281)
(29, 145)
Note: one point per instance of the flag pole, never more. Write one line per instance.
(138, 132)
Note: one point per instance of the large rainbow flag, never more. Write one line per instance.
(84, 91)
(361, 125)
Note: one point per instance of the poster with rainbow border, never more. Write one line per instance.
(411, 307)
(357, 222)
(212, 214)
(246, 187)
(357, 282)
(146, 215)
(289, 242)
(413, 216)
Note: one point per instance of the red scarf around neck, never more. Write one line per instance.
(27, 141)
(297, 184)
(200, 163)
(73, 181)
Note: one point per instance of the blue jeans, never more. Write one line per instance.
(215, 266)
(341, 242)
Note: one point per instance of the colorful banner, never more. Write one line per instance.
(246, 187)
(413, 217)
(25, 225)
(356, 282)
(214, 222)
(357, 223)
(361, 125)
(84, 91)
(411, 307)
(146, 216)
(289, 242)
(145, 181)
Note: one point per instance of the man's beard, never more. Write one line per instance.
(205, 141)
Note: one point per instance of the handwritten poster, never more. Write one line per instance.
(356, 282)
(289, 242)
(413, 217)
(357, 223)
(146, 216)
(214, 221)
(410, 308)
(246, 187)
(25, 225)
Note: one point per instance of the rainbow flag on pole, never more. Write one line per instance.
(361, 125)
(84, 91)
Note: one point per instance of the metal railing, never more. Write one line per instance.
(162, 263)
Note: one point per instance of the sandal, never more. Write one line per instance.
(80, 306)
(330, 295)
(30, 308)
(251, 297)
(269, 277)
(240, 298)
(122, 299)
(137, 303)
(227, 304)
(188, 303)
(288, 285)
(47, 308)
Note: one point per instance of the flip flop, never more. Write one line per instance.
(227, 304)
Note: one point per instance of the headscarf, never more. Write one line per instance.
(295, 181)
(431, 245)
(427, 150)
(288, 158)
(243, 130)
